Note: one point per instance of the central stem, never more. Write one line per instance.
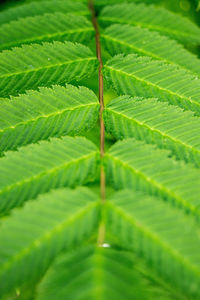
(101, 101)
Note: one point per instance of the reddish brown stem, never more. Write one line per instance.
(101, 100)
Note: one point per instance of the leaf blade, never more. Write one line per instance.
(142, 76)
(37, 168)
(32, 66)
(105, 273)
(49, 112)
(46, 28)
(157, 123)
(168, 242)
(136, 165)
(128, 39)
(40, 227)
(154, 18)
(41, 7)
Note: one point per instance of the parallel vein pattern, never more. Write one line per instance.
(36, 65)
(128, 39)
(50, 112)
(133, 164)
(157, 123)
(37, 168)
(169, 241)
(153, 18)
(104, 273)
(142, 76)
(109, 2)
(35, 8)
(33, 236)
(46, 28)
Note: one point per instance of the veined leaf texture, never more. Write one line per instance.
(41, 167)
(128, 39)
(32, 66)
(143, 232)
(35, 8)
(94, 261)
(153, 18)
(133, 164)
(141, 76)
(99, 150)
(47, 27)
(55, 111)
(157, 123)
(67, 211)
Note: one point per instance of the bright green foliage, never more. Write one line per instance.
(48, 27)
(36, 65)
(105, 274)
(50, 112)
(42, 7)
(99, 4)
(155, 122)
(64, 231)
(31, 237)
(135, 165)
(154, 18)
(109, 2)
(128, 39)
(142, 76)
(166, 239)
(36, 169)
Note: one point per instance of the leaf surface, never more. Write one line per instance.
(154, 18)
(136, 165)
(46, 28)
(166, 239)
(102, 273)
(49, 112)
(37, 168)
(156, 123)
(36, 65)
(35, 8)
(33, 236)
(142, 76)
(128, 39)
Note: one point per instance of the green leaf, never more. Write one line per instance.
(42, 7)
(35, 65)
(50, 112)
(34, 235)
(92, 273)
(163, 236)
(142, 76)
(109, 2)
(37, 168)
(128, 39)
(100, 3)
(134, 164)
(154, 18)
(157, 123)
(46, 28)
